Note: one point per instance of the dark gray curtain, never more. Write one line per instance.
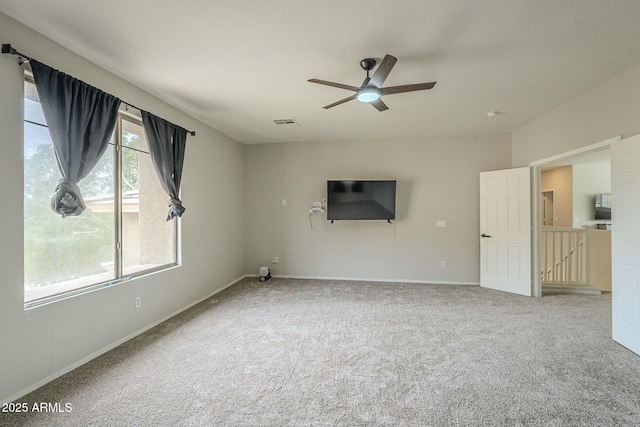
(81, 119)
(167, 144)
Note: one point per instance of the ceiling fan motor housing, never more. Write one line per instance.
(367, 64)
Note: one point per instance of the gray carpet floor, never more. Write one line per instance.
(332, 353)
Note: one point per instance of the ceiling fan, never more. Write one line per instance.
(370, 91)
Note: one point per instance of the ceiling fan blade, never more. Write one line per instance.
(342, 101)
(383, 71)
(365, 82)
(338, 85)
(380, 106)
(406, 88)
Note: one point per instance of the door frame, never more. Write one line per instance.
(535, 202)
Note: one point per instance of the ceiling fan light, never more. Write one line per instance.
(368, 94)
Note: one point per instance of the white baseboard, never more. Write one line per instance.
(111, 346)
(426, 282)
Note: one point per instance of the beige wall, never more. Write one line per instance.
(607, 110)
(560, 181)
(437, 179)
(39, 344)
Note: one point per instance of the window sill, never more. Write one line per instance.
(66, 294)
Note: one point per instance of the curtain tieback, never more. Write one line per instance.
(175, 208)
(67, 200)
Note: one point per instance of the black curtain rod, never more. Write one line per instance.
(8, 49)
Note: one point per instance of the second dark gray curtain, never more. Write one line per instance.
(81, 119)
(167, 144)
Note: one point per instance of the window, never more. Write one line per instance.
(122, 233)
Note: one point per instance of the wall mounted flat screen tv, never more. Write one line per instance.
(603, 213)
(603, 206)
(361, 200)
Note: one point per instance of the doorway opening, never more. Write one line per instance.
(548, 212)
(571, 254)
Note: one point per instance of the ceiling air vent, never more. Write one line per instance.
(285, 122)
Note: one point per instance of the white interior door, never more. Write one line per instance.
(625, 241)
(505, 227)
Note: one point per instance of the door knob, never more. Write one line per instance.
(484, 235)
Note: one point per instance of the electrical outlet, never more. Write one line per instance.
(444, 264)
(274, 260)
(138, 302)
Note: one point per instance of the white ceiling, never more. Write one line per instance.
(239, 65)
